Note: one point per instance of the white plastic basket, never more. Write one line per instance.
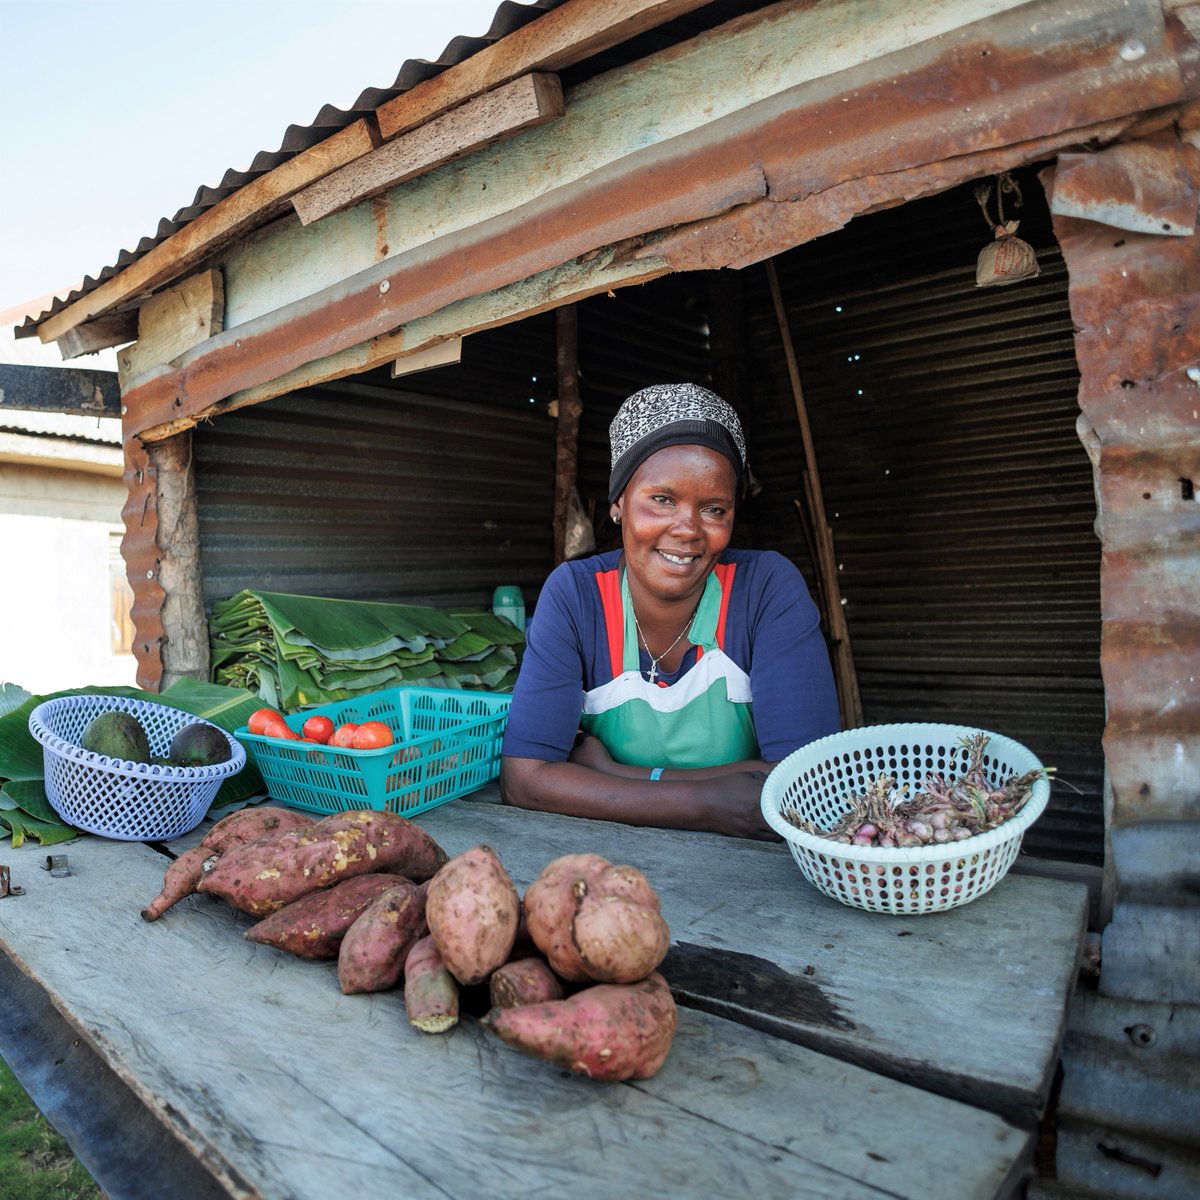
(133, 802)
(818, 779)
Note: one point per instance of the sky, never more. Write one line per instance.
(116, 111)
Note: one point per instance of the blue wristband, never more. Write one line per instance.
(656, 773)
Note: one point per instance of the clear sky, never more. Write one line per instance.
(114, 112)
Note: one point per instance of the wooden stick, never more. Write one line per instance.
(826, 562)
(569, 410)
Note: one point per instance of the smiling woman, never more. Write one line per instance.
(662, 681)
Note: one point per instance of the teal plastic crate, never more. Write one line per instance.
(447, 744)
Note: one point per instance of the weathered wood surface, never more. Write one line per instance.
(969, 1003)
(966, 1003)
(568, 34)
(280, 1086)
(236, 214)
(60, 390)
(525, 103)
(172, 322)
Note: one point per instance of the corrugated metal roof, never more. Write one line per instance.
(510, 17)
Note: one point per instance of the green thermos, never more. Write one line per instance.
(508, 602)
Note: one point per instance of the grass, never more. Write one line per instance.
(35, 1162)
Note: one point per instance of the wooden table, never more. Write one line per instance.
(821, 1052)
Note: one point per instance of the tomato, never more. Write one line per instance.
(318, 729)
(343, 735)
(371, 735)
(262, 720)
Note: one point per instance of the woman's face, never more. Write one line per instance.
(676, 517)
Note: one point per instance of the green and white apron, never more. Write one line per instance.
(702, 720)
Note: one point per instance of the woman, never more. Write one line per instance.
(661, 682)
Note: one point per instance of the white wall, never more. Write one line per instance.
(55, 599)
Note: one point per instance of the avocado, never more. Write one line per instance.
(119, 735)
(199, 745)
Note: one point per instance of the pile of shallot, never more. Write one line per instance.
(939, 811)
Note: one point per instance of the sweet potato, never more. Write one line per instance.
(314, 925)
(595, 921)
(524, 981)
(472, 910)
(372, 954)
(263, 876)
(609, 1031)
(430, 991)
(250, 824)
(180, 879)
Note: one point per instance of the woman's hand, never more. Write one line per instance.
(589, 751)
(733, 805)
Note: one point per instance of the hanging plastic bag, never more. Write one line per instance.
(1007, 259)
(579, 538)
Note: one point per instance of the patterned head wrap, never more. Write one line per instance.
(671, 414)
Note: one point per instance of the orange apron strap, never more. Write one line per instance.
(724, 573)
(609, 583)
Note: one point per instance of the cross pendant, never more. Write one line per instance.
(653, 670)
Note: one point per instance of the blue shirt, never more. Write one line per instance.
(772, 632)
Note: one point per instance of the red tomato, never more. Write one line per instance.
(371, 735)
(343, 735)
(318, 729)
(262, 720)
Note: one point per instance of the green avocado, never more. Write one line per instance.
(199, 745)
(119, 735)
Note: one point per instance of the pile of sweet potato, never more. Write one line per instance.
(569, 969)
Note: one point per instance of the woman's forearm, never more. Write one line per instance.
(725, 803)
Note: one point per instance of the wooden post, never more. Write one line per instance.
(822, 536)
(569, 410)
(185, 649)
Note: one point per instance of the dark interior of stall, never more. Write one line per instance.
(959, 496)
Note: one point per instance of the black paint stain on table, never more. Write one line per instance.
(710, 978)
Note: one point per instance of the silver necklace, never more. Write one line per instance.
(656, 659)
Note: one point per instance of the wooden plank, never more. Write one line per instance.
(650, 118)
(815, 969)
(230, 217)
(573, 281)
(174, 321)
(443, 354)
(279, 1085)
(570, 33)
(113, 329)
(524, 103)
(59, 389)
(185, 650)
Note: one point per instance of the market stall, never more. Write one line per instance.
(821, 1050)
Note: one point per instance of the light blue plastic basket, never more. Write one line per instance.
(133, 802)
(447, 744)
(818, 779)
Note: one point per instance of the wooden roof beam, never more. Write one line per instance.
(534, 99)
(568, 34)
(236, 214)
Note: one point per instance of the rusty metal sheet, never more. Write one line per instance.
(1127, 1109)
(139, 549)
(1146, 186)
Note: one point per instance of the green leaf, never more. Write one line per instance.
(11, 695)
(30, 798)
(22, 827)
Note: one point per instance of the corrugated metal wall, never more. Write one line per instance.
(429, 489)
(960, 497)
(944, 417)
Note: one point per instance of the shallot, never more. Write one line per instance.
(938, 812)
